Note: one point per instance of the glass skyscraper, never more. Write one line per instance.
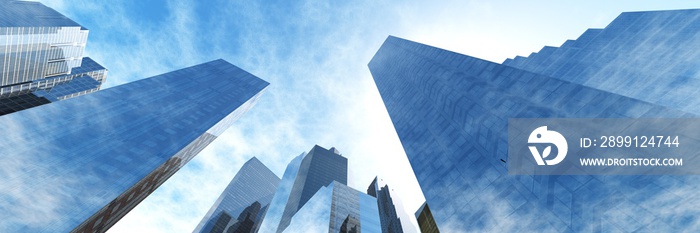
(387, 211)
(243, 204)
(41, 57)
(337, 208)
(426, 222)
(279, 201)
(313, 197)
(451, 111)
(318, 169)
(81, 164)
(84, 79)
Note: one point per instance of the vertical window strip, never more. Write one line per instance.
(13, 79)
(6, 57)
(28, 36)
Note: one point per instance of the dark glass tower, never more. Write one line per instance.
(41, 57)
(81, 164)
(450, 112)
(319, 168)
(426, 222)
(244, 202)
(387, 211)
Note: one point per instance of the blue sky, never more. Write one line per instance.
(315, 56)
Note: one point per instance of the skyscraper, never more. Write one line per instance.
(279, 201)
(337, 208)
(387, 211)
(426, 222)
(450, 112)
(244, 202)
(41, 54)
(333, 207)
(318, 169)
(81, 164)
(84, 79)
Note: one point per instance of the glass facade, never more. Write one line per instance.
(84, 79)
(81, 164)
(331, 206)
(641, 55)
(41, 57)
(279, 201)
(318, 168)
(37, 42)
(425, 219)
(450, 112)
(387, 211)
(337, 208)
(243, 204)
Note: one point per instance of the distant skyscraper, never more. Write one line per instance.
(81, 164)
(41, 54)
(319, 168)
(450, 112)
(279, 201)
(337, 208)
(425, 220)
(387, 211)
(243, 204)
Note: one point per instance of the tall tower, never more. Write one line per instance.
(337, 208)
(81, 164)
(279, 201)
(318, 169)
(41, 57)
(425, 219)
(387, 211)
(244, 202)
(332, 206)
(450, 112)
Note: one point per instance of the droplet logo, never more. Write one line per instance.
(542, 135)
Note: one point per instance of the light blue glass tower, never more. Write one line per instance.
(312, 197)
(244, 202)
(83, 163)
(337, 208)
(450, 112)
(279, 201)
(41, 57)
